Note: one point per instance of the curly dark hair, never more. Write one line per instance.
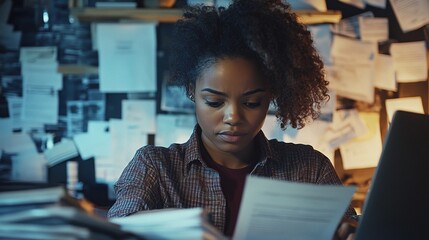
(265, 32)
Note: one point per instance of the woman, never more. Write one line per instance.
(233, 63)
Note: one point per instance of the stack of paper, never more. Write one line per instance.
(170, 223)
(30, 211)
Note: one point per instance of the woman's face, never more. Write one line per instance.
(231, 105)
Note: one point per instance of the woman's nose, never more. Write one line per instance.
(231, 115)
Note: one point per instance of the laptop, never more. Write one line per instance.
(397, 205)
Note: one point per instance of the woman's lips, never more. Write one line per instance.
(231, 137)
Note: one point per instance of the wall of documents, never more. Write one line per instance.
(94, 92)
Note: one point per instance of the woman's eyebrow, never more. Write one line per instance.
(253, 91)
(213, 91)
(224, 94)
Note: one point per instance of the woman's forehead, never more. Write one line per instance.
(230, 72)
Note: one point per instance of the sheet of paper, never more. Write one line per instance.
(40, 104)
(312, 134)
(352, 81)
(374, 29)
(60, 152)
(41, 83)
(127, 57)
(274, 209)
(350, 26)
(92, 144)
(29, 166)
(126, 138)
(17, 142)
(364, 151)
(411, 14)
(271, 128)
(384, 73)
(351, 74)
(140, 111)
(322, 41)
(347, 125)
(14, 105)
(47, 54)
(42, 74)
(410, 61)
(173, 128)
(409, 104)
(377, 3)
(353, 51)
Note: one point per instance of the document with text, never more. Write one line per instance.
(274, 209)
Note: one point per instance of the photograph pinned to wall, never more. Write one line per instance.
(174, 99)
(80, 112)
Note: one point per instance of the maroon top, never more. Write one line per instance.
(232, 185)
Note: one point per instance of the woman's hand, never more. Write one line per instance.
(346, 229)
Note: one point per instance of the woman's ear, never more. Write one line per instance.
(190, 91)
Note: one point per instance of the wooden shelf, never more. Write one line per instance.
(77, 69)
(113, 14)
(173, 14)
(315, 17)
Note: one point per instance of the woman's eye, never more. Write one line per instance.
(214, 104)
(252, 104)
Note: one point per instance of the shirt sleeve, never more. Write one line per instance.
(328, 175)
(138, 187)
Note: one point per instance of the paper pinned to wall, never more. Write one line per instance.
(322, 41)
(29, 167)
(271, 128)
(411, 14)
(364, 151)
(127, 57)
(384, 73)
(93, 144)
(373, 29)
(173, 128)
(312, 134)
(350, 26)
(410, 61)
(352, 74)
(140, 111)
(409, 104)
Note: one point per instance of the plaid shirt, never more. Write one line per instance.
(178, 177)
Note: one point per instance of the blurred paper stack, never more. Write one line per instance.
(172, 223)
(31, 211)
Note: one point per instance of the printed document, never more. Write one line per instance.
(373, 29)
(410, 61)
(411, 14)
(274, 209)
(409, 104)
(364, 151)
(127, 56)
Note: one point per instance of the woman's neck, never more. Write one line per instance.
(232, 160)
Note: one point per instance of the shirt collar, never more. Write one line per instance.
(194, 152)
